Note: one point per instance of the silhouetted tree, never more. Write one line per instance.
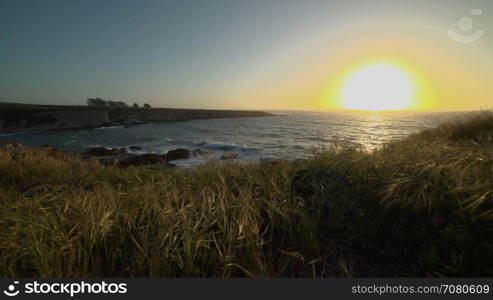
(147, 106)
(101, 102)
(135, 105)
(96, 102)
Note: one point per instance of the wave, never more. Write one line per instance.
(71, 142)
(110, 127)
(17, 133)
(216, 146)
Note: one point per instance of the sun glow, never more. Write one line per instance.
(378, 86)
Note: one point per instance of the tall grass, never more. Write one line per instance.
(422, 206)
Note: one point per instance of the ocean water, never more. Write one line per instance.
(288, 134)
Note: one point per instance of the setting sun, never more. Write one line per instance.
(379, 86)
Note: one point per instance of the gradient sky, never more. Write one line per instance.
(268, 54)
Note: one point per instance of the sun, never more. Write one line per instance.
(378, 86)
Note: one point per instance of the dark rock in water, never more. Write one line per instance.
(103, 151)
(131, 122)
(145, 159)
(177, 154)
(200, 152)
(229, 156)
(135, 148)
(123, 150)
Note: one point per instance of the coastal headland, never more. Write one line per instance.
(26, 117)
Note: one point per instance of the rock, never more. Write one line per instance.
(177, 154)
(130, 122)
(10, 145)
(144, 159)
(135, 148)
(103, 151)
(229, 155)
(200, 152)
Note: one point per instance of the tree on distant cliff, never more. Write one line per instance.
(135, 105)
(116, 103)
(147, 106)
(101, 102)
(96, 102)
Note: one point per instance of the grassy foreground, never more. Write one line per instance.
(422, 206)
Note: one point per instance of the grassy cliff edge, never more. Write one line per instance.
(422, 206)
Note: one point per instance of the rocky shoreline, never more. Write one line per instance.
(120, 157)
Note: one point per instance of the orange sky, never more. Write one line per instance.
(446, 75)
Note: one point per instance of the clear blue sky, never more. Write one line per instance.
(201, 53)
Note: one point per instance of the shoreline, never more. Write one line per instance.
(40, 118)
(124, 157)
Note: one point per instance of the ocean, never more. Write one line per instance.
(288, 134)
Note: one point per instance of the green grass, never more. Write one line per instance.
(422, 206)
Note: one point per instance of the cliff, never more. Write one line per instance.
(119, 114)
(15, 118)
(44, 119)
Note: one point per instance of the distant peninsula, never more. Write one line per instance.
(15, 117)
